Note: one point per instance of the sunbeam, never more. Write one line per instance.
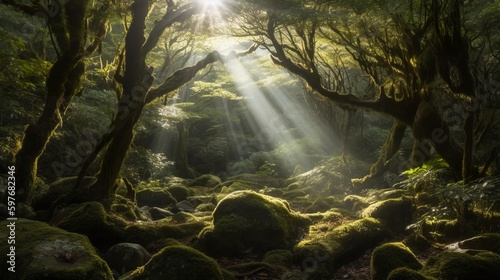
(278, 120)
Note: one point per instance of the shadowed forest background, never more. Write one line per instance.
(223, 139)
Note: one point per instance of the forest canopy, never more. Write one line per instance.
(309, 101)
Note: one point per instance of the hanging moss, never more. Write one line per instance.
(390, 256)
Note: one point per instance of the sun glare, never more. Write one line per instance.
(212, 4)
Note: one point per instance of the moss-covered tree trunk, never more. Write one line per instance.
(390, 148)
(63, 82)
(430, 129)
(136, 82)
(181, 159)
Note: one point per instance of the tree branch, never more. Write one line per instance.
(182, 76)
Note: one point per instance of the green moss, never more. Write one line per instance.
(206, 180)
(238, 186)
(92, 220)
(322, 204)
(183, 217)
(158, 198)
(486, 241)
(125, 208)
(404, 273)
(460, 266)
(147, 232)
(438, 228)
(279, 257)
(387, 257)
(391, 211)
(247, 219)
(180, 193)
(340, 245)
(44, 252)
(179, 263)
(355, 202)
(58, 188)
(204, 207)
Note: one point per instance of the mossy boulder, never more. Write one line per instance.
(124, 257)
(147, 232)
(152, 198)
(229, 187)
(327, 252)
(486, 241)
(391, 211)
(280, 257)
(92, 220)
(404, 273)
(45, 252)
(180, 193)
(206, 180)
(246, 219)
(45, 196)
(460, 266)
(260, 179)
(178, 263)
(388, 257)
(355, 202)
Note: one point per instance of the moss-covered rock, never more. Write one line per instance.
(46, 196)
(391, 211)
(147, 232)
(92, 220)
(486, 241)
(319, 256)
(404, 273)
(206, 180)
(355, 202)
(459, 266)
(180, 193)
(124, 257)
(125, 208)
(322, 204)
(178, 263)
(279, 257)
(228, 188)
(158, 198)
(247, 219)
(205, 207)
(260, 179)
(389, 256)
(45, 252)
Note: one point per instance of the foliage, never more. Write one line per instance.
(431, 165)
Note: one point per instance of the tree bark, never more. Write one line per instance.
(390, 148)
(63, 82)
(430, 129)
(181, 159)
